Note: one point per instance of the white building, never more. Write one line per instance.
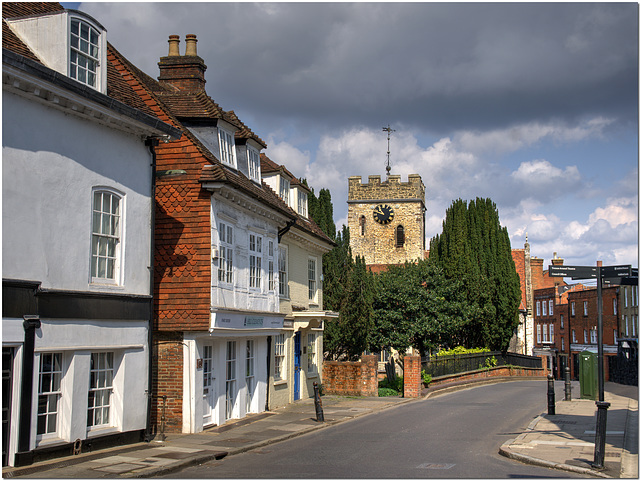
(77, 183)
(298, 349)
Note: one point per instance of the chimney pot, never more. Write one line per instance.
(191, 49)
(174, 45)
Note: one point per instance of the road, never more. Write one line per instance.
(456, 435)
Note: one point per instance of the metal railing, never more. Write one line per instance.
(438, 366)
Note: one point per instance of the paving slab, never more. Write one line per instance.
(566, 440)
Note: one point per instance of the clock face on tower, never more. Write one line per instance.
(383, 214)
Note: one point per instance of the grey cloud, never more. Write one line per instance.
(437, 66)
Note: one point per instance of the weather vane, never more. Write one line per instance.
(388, 129)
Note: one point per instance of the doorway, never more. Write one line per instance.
(7, 380)
(209, 396)
(250, 374)
(297, 357)
(231, 387)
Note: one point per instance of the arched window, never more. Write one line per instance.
(84, 58)
(399, 236)
(362, 222)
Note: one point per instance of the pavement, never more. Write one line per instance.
(563, 441)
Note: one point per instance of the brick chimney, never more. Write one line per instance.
(184, 72)
(537, 278)
(557, 261)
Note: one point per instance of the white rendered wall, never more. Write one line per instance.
(77, 340)
(47, 181)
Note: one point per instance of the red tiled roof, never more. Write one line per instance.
(118, 88)
(269, 166)
(10, 41)
(24, 9)
(244, 132)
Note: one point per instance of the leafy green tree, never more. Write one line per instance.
(474, 249)
(415, 305)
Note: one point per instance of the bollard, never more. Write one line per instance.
(551, 396)
(318, 402)
(567, 384)
(163, 437)
(601, 434)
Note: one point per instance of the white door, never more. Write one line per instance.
(209, 396)
(231, 387)
(250, 374)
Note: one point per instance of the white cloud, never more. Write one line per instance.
(283, 153)
(618, 211)
(609, 233)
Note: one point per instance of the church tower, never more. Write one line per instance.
(387, 219)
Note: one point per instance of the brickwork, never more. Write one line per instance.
(351, 378)
(167, 380)
(375, 242)
(492, 373)
(412, 377)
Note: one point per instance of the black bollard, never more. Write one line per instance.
(551, 396)
(601, 434)
(567, 384)
(318, 402)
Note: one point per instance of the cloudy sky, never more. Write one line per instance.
(534, 105)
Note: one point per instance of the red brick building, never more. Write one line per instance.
(583, 321)
(217, 233)
(552, 325)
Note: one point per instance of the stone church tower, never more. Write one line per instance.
(387, 219)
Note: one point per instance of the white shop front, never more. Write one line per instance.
(226, 368)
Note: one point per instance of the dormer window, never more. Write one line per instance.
(70, 42)
(284, 189)
(254, 164)
(302, 203)
(84, 59)
(227, 147)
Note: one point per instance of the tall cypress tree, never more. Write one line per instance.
(347, 285)
(474, 249)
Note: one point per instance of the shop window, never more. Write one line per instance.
(279, 349)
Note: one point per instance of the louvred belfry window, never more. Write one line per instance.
(399, 236)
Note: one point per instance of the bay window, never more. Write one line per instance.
(225, 266)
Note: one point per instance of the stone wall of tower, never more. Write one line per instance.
(375, 242)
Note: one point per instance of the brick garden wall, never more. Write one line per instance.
(490, 373)
(351, 378)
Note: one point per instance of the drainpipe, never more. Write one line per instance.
(24, 455)
(151, 143)
(286, 228)
(269, 340)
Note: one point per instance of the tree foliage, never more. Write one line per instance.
(347, 286)
(474, 249)
(417, 306)
(348, 336)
